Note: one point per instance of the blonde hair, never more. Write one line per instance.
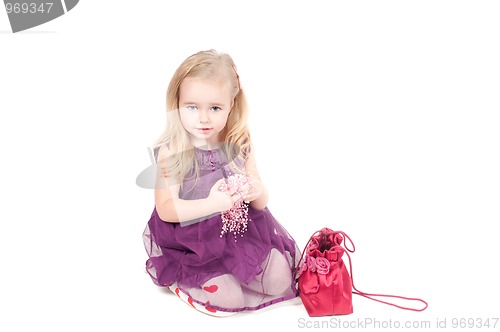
(180, 158)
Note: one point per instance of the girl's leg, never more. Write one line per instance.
(276, 277)
(223, 291)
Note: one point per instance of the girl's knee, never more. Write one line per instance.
(278, 276)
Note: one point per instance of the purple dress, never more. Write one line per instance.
(193, 254)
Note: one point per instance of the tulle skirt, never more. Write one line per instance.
(189, 256)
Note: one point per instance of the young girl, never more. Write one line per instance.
(211, 238)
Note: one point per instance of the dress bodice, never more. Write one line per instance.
(212, 166)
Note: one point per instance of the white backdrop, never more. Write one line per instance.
(378, 118)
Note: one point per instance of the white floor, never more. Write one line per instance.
(378, 118)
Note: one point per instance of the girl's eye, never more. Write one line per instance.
(216, 108)
(191, 108)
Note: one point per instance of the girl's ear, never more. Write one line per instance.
(232, 104)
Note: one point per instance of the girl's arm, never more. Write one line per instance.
(258, 194)
(171, 208)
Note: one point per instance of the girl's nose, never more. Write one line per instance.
(203, 116)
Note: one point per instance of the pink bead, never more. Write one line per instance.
(235, 220)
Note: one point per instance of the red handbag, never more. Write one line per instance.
(325, 285)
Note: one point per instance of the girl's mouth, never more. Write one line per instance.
(204, 130)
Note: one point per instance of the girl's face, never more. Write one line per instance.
(204, 105)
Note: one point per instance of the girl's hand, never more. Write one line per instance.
(255, 189)
(222, 200)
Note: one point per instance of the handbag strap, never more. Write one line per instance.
(305, 247)
(369, 296)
